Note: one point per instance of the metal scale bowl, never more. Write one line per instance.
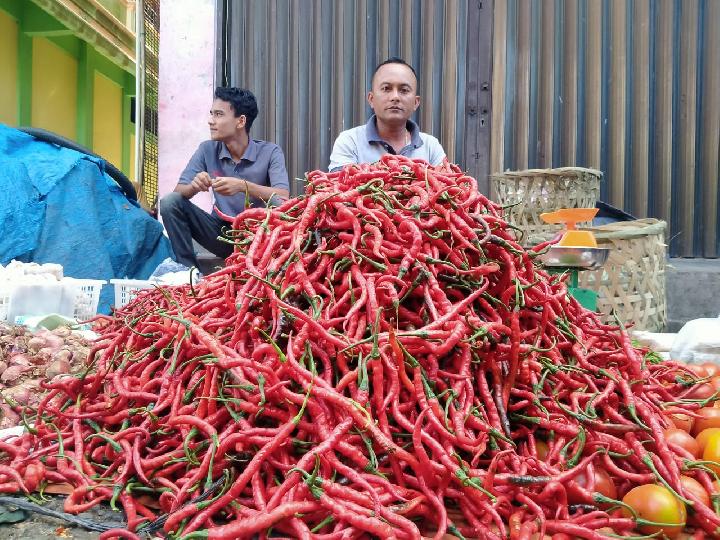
(577, 250)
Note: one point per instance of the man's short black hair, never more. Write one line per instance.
(242, 102)
(393, 60)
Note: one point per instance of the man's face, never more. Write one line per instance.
(223, 123)
(394, 97)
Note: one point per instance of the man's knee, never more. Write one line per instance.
(170, 203)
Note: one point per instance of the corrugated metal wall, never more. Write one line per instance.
(631, 87)
(310, 61)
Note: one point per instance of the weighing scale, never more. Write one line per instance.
(577, 250)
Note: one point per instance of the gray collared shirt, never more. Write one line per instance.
(363, 144)
(263, 163)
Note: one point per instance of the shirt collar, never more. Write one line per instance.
(373, 135)
(250, 154)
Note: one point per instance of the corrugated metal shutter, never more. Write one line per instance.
(631, 87)
(310, 62)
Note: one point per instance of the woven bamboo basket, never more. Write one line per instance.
(527, 194)
(632, 282)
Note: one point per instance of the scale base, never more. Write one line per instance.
(586, 297)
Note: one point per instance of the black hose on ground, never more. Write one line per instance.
(23, 504)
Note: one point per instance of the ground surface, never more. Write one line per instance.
(38, 527)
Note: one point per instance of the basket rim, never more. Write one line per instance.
(628, 229)
(560, 171)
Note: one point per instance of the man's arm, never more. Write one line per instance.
(201, 182)
(344, 152)
(277, 175)
(194, 178)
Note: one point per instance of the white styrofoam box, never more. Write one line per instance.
(127, 289)
(84, 296)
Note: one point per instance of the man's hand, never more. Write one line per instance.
(227, 185)
(201, 182)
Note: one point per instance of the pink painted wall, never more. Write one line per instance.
(187, 67)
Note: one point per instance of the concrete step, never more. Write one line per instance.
(693, 290)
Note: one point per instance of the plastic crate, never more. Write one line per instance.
(86, 296)
(127, 289)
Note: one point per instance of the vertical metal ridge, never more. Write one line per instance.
(546, 97)
(630, 102)
(449, 80)
(638, 175)
(427, 41)
(664, 113)
(383, 29)
(604, 98)
(534, 76)
(581, 86)
(569, 84)
(522, 75)
(677, 239)
(710, 134)
(593, 82)
(557, 71)
(510, 88)
(687, 125)
(270, 95)
(618, 95)
(497, 145)
(337, 85)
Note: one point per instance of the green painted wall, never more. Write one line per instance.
(49, 77)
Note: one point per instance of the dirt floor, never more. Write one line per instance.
(39, 527)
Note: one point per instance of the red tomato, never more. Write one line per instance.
(696, 488)
(603, 483)
(701, 391)
(712, 451)
(704, 435)
(699, 371)
(715, 382)
(656, 503)
(711, 368)
(709, 417)
(684, 440)
(681, 421)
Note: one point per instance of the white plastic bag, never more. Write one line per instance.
(698, 341)
(656, 341)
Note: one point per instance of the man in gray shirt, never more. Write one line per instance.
(393, 99)
(232, 165)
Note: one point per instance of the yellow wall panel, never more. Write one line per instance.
(8, 69)
(54, 89)
(131, 171)
(107, 119)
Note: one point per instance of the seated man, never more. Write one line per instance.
(234, 166)
(393, 99)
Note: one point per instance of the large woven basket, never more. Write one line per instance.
(632, 282)
(527, 194)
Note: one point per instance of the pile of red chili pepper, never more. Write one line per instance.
(378, 358)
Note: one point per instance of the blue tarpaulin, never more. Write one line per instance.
(58, 205)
